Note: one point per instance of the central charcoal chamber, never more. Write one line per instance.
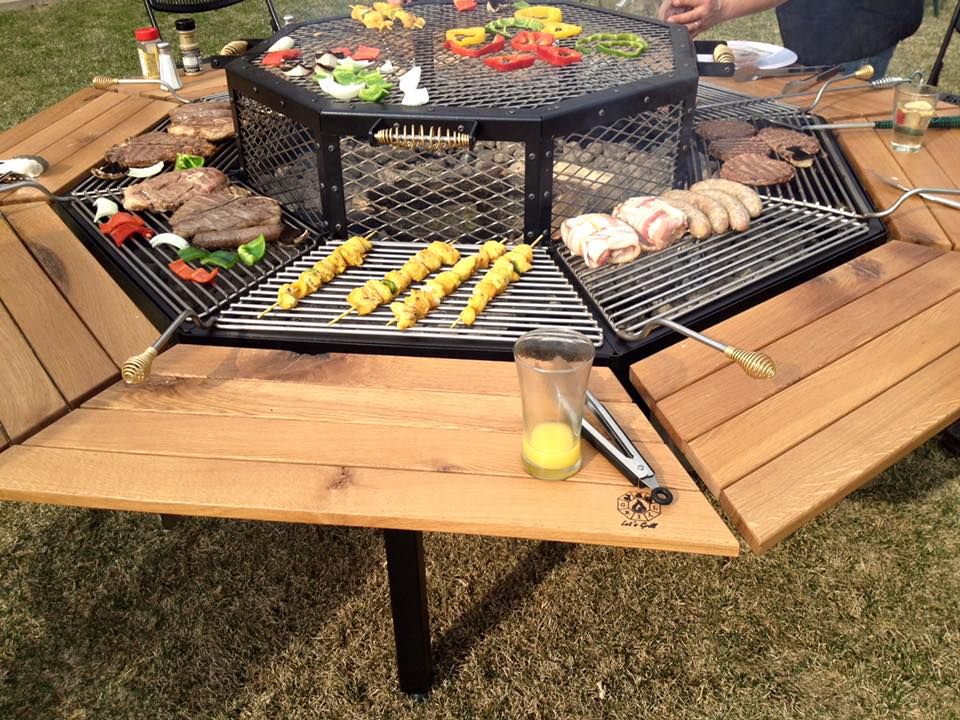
(492, 156)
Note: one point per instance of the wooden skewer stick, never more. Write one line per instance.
(537, 241)
(389, 323)
(340, 317)
(267, 310)
(455, 323)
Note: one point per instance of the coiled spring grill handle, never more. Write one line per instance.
(136, 369)
(754, 363)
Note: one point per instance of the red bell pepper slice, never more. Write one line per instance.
(507, 63)
(364, 52)
(118, 219)
(495, 45)
(465, 5)
(529, 41)
(345, 51)
(121, 233)
(278, 57)
(190, 274)
(559, 56)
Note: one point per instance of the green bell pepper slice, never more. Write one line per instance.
(225, 259)
(190, 253)
(252, 252)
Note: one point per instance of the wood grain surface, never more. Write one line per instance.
(114, 320)
(352, 440)
(46, 117)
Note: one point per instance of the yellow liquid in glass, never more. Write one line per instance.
(551, 452)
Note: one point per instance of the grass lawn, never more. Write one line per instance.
(104, 616)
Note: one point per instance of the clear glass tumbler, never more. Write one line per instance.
(913, 106)
(554, 367)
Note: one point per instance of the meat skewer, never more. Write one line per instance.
(374, 293)
(350, 253)
(420, 302)
(505, 270)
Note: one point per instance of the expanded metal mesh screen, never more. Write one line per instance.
(636, 155)
(425, 195)
(280, 159)
(456, 81)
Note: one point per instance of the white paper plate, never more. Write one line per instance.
(764, 55)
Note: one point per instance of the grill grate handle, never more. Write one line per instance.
(136, 369)
(414, 138)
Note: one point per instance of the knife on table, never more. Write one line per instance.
(803, 84)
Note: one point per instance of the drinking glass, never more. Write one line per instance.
(913, 106)
(554, 367)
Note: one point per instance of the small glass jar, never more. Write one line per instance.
(147, 38)
(189, 47)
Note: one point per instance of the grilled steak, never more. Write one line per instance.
(726, 148)
(711, 130)
(751, 169)
(150, 148)
(209, 120)
(168, 191)
(223, 220)
(796, 148)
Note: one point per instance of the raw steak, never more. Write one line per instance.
(751, 169)
(207, 120)
(222, 220)
(170, 190)
(150, 148)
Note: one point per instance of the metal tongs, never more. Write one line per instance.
(622, 452)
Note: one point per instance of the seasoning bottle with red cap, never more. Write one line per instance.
(147, 38)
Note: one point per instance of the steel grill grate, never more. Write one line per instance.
(455, 81)
(636, 155)
(149, 265)
(282, 161)
(418, 194)
(692, 275)
(542, 297)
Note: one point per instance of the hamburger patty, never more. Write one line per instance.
(753, 169)
(797, 148)
(726, 148)
(711, 130)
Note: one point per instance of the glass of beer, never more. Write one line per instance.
(554, 367)
(913, 106)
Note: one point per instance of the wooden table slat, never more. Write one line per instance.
(788, 492)
(117, 323)
(28, 398)
(443, 502)
(46, 117)
(681, 365)
(800, 411)
(728, 392)
(70, 354)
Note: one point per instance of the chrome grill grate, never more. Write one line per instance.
(692, 275)
(456, 81)
(542, 297)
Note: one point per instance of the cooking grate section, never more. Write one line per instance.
(542, 297)
(455, 81)
(692, 275)
(148, 265)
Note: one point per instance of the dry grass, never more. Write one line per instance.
(103, 615)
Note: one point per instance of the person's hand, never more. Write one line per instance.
(695, 15)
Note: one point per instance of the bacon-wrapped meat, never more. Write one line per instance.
(657, 222)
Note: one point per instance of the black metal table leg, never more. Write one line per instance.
(408, 601)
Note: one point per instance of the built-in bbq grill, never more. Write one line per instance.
(520, 170)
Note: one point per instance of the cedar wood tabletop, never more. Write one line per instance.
(304, 404)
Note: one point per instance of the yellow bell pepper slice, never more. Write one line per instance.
(467, 36)
(544, 13)
(358, 11)
(561, 30)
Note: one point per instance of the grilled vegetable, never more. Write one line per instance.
(225, 259)
(542, 13)
(465, 5)
(185, 161)
(622, 45)
(278, 57)
(530, 40)
(364, 52)
(561, 30)
(190, 274)
(189, 254)
(559, 56)
(466, 37)
(171, 239)
(506, 26)
(508, 63)
(252, 252)
(496, 45)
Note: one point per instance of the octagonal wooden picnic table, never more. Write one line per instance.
(270, 435)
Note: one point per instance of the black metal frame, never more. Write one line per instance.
(952, 28)
(407, 576)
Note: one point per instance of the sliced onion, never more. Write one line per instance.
(410, 80)
(284, 43)
(417, 96)
(298, 70)
(104, 208)
(387, 68)
(171, 239)
(349, 62)
(328, 61)
(146, 172)
(340, 92)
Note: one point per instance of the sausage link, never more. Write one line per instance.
(739, 217)
(698, 224)
(714, 210)
(745, 194)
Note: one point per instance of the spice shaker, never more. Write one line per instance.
(189, 47)
(168, 69)
(147, 38)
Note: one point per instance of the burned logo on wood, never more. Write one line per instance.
(639, 509)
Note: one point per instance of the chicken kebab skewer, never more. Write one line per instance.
(420, 302)
(372, 294)
(350, 253)
(505, 270)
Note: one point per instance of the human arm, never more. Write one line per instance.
(700, 15)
